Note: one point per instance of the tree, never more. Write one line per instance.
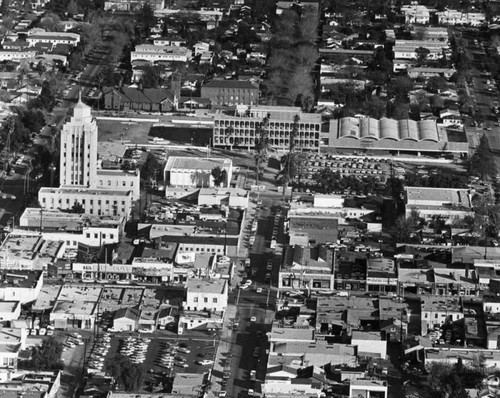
(399, 88)
(50, 22)
(45, 357)
(436, 84)
(77, 208)
(146, 18)
(151, 77)
(219, 176)
(328, 179)
(482, 162)
(286, 172)
(375, 107)
(130, 374)
(422, 53)
(261, 147)
(73, 7)
(150, 169)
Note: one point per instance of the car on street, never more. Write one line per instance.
(256, 352)
(253, 374)
(253, 319)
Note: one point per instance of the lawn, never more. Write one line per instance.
(113, 130)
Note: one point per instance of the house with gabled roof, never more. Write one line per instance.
(231, 92)
(126, 319)
(134, 98)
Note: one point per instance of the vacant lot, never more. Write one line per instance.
(114, 130)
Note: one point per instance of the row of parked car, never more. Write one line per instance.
(99, 352)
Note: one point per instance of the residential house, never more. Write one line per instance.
(416, 14)
(451, 117)
(454, 17)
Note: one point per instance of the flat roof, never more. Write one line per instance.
(192, 163)
(46, 297)
(20, 246)
(84, 191)
(10, 336)
(9, 306)
(291, 334)
(362, 335)
(18, 278)
(74, 307)
(445, 195)
(70, 292)
(440, 304)
(216, 286)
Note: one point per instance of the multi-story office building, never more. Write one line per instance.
(241, 128)
(98, 192)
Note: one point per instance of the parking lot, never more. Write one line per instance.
(160, 358)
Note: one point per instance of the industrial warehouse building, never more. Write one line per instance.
(406, 136)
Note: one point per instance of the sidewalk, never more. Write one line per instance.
(224, 346)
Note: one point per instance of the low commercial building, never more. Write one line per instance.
(370, 343)
(181, 171)
(75, 307)
(436, 311)
(126, 320)
(29, 252)
(240, 129)
(10, 310)
(450, 204)
(22, 286)
(12, 342)
(368, 388)
(99, 202)
(32, 384)
(232, 197)
(71, 228)
(204, 236)
(305, 267)
(208, 295)
(381, 275)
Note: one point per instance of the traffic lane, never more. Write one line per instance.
(247, 340)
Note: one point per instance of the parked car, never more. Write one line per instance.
(205, 362)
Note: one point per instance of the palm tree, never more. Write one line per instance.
(290, 158)
(261, 146)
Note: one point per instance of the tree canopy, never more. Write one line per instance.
(219, 175)
(482, 162)
(45, 357)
